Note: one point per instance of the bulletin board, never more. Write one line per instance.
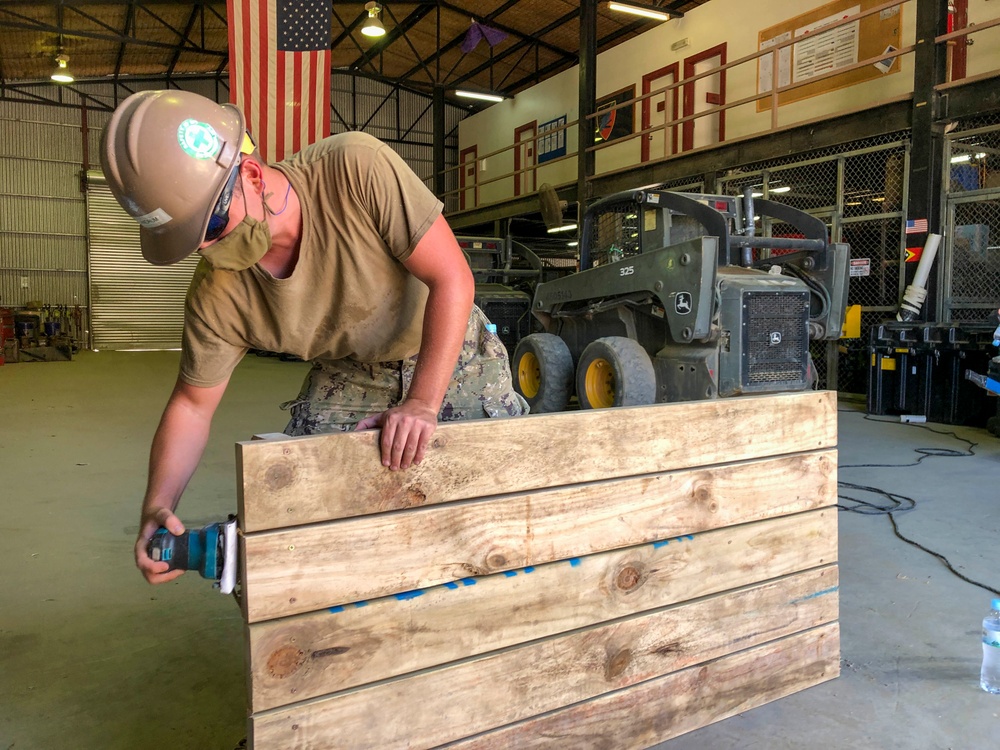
(818, 52)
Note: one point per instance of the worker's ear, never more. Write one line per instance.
(252, 173)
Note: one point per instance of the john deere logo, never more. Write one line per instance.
(198, 139)
(682, 303)
(775, 338)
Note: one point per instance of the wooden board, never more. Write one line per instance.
(654, 711)
(303, 569)
(476, 695)
(312, 479)
(302, 657)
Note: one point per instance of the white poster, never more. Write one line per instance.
(766, 77)
(826, 51)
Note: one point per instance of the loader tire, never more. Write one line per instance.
(615, 371)
(543, 372)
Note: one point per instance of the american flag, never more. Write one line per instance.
(916, 226)
(279, 71)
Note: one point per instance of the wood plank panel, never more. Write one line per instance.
(473, 696)
(649, 713)
(304, 569)
(306, 656)
(304, 480)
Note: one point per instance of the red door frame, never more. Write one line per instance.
(960, 52)
(647, 117)
(463, 167)
(529, 127)
(715, 99)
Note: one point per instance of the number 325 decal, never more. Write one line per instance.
(626, 270)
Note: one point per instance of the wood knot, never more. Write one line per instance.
(285, 661)
(278, 476)
(414, 498)
(617, 664)
(497, 560)
(703, 493)
(630, 577)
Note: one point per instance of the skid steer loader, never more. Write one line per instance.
(677, 299)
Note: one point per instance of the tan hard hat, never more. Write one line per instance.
(167, 156)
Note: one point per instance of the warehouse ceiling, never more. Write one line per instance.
(423, 46)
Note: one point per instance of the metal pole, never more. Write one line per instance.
(587, 103)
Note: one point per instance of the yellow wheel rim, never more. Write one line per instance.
(529, 374)
(600, 384)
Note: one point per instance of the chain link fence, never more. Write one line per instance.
(859, 190)
(970, 267)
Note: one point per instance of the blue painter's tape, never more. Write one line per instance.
(574, 561)
(510, 573)
(468, 581)
(664, 543)
(361, 604)
(335, 610)
(530, 569)
(451, 585)
(410, 594)
(690, 537)
(816, 594)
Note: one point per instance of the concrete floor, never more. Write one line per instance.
(92, 657)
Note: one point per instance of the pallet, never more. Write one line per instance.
(557, 581)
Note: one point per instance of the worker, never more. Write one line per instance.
(339, 255)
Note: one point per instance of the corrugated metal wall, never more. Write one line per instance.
(134, 305)
(43, 238)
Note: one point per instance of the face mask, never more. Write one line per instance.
(241, 248)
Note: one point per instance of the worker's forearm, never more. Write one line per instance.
(446, 318)
(177, 448)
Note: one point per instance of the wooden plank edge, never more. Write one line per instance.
(309, 655)
(440, 705)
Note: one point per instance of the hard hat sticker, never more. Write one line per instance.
(198, 139)
(154, 218)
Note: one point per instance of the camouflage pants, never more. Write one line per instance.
(336, 395)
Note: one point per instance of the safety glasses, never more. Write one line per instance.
(220, 214)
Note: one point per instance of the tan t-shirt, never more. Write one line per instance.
(363, 212)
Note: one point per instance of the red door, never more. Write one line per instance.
(703, 94)
(468, 185)
(660, 109)
(524, 158)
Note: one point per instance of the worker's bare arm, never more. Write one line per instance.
(437, 261)
(177, 448)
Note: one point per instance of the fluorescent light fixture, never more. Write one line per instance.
(782, 189)
(880, 199)
(574, 243)
(563, 228)
(961, 159)
(373, 26)
(657, 14)
(980, 156)
(479, 95)
(61, 74)
(853, 203)
(756, 195)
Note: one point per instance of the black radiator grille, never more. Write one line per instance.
(776, 339)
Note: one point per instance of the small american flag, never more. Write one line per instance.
(916, 226)
(279, 71)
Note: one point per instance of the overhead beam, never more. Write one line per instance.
(187, 32)
(397, 32)
(514, 32)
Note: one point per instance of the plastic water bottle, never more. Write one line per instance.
(989, 677)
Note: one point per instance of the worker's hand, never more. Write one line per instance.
(156, 571)
(406, 431)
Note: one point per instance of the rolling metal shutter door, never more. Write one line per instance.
(134, 305)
